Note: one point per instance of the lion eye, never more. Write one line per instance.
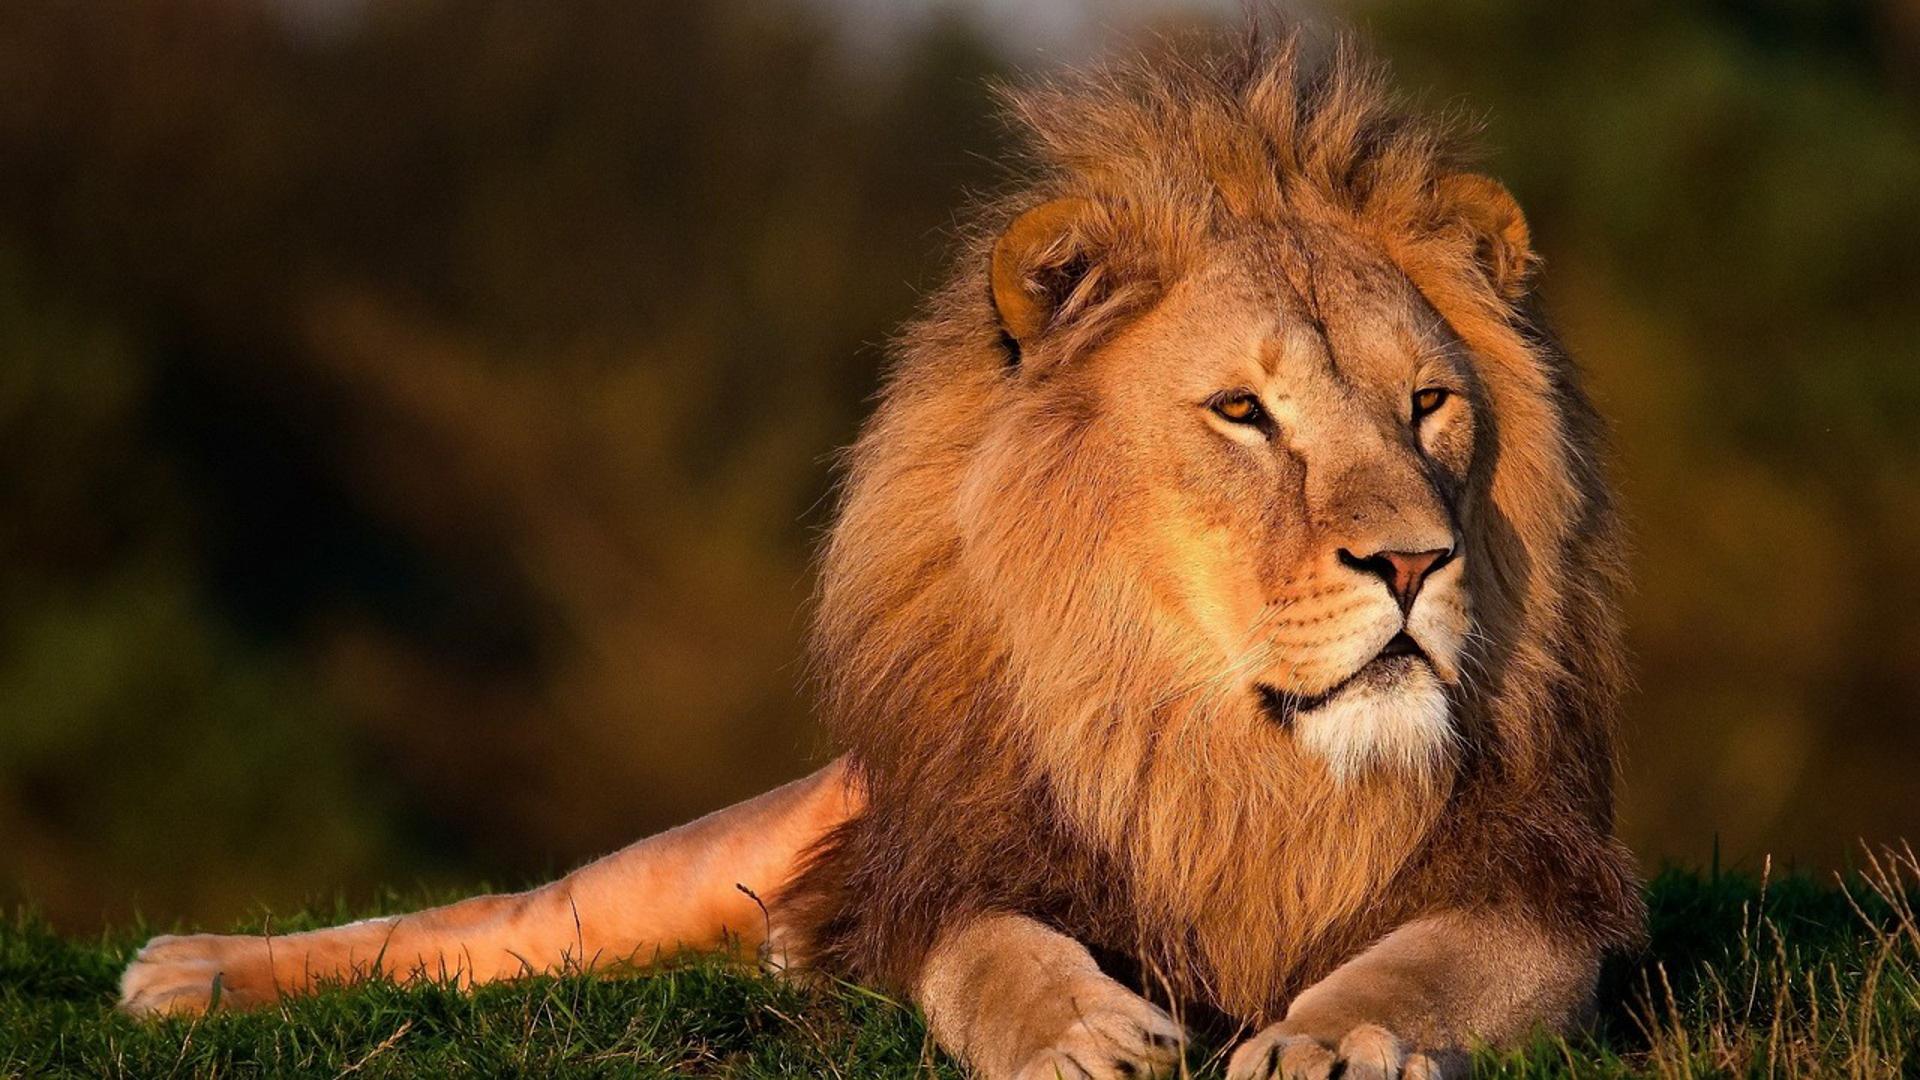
(1240, 408)
(1427, 400)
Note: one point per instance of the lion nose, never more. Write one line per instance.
(1403, 571)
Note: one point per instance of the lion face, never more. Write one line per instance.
(1297, 439)
(1281, 445)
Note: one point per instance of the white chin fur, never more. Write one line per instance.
(1403, 726)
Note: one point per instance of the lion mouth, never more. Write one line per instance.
(1401, 644)
(1400, 655)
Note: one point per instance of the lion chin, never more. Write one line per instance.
(1391, 714)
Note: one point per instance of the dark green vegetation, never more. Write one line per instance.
(1743, 976)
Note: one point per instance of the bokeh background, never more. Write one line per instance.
(416, 416)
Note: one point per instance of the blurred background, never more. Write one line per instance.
(416, 416)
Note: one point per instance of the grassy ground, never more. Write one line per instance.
(1769, 975)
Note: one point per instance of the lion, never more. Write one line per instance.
(1219, 621)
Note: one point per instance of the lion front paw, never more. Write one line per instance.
(182, 975)
(1367, 1052)
(1114, 1035)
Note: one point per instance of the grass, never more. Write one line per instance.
(1744, 976)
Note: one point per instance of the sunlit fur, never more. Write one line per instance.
(1039, 627)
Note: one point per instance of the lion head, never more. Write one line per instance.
(1230, 532)
(1265, 472)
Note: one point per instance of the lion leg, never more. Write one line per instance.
(1416, 1003)
(675, 890)
(1019, 1001)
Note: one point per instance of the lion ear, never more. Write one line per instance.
(1038, 264)
(1505, 249)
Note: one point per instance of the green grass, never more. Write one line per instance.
(1745, 975)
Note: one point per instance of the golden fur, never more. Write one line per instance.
(1006, 651)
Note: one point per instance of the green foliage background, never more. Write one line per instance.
(415, 426)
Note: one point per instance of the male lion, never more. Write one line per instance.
(1223, 589)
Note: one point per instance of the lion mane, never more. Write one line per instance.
(1028, 740)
